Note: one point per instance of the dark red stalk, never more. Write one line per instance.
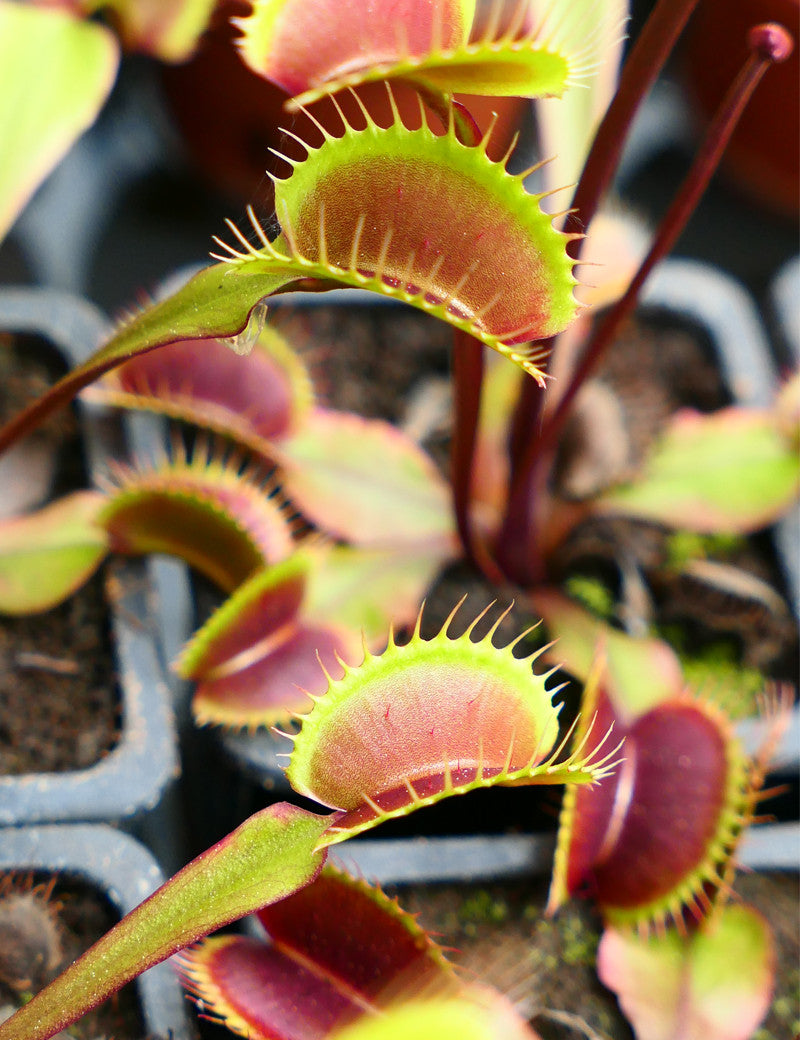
(769, 44)
(645, 61)
(467, 367)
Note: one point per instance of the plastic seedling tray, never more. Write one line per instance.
(122, 869)
(132, 779)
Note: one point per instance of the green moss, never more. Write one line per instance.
(685, 546)
(782, 1007)
(717, 672)
(592, 594)
(579, 944)
(581, 952)
(483, 908)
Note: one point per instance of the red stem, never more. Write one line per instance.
(769, 43)
(645, 61)
(467, 368)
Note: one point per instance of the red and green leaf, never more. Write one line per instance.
(267, 858)
(365, 481)
(427, 720)
(732, 471)
(204, 510)
(41, 116)
(338, 949)
(370, 590)
(47, 555)
(657, 838)
(315, 49)
(475, 1014)
(713, 984)
(258, 658)
(255, 399)
(300, 43)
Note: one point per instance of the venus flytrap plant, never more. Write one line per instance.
(415, 253)
(342, 219)
(655, 848)
(429, 219)
(203, 510)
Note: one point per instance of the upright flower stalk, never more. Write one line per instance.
(769, 44)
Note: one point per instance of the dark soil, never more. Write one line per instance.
(81, 915)
(499, 935)
(28, 366)
(546, 966)
(370, 360)
(59, 704)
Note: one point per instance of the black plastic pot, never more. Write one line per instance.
(131, 781)
(125, 872)
(784, 298)
(408, 861)
(785, 301)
